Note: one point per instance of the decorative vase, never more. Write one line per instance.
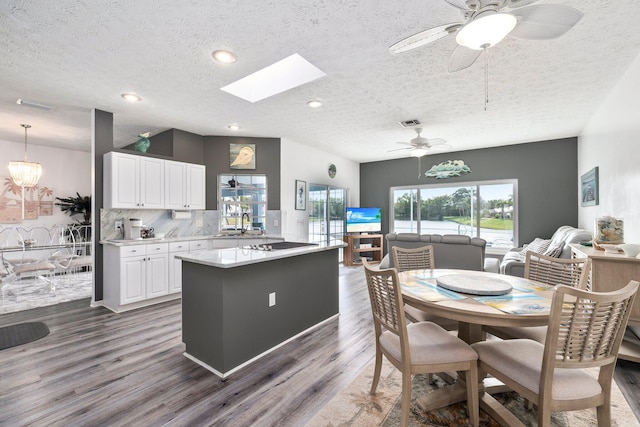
(143, 144)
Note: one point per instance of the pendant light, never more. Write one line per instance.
(25, 173)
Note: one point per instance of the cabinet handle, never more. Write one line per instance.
(134, 250)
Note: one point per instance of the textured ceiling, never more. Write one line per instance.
(78, 55)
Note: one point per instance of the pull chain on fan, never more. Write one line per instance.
(486, 78)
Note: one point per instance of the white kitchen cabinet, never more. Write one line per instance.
(185, 185)
(175, 265)
(133, 182)
(135, 276)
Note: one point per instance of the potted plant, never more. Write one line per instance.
(80, 205)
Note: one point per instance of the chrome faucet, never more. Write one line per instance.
(242, 229)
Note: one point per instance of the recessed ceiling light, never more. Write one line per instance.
(131, 97)
(234, 127)
(224, 56)
(278, 77)
(314, 103)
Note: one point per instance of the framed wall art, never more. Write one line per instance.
(301, 195)
(242, 156)
(589, 188)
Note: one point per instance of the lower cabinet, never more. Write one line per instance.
(175, 265)
(134, 276)
(142, 274)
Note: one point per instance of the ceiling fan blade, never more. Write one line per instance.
(545, 21)
(458, 4)
(513, 4)
(462, 57)
(405, 143)
(435, 141)
(399, 149)
(424, 37)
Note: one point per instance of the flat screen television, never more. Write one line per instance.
(364, 220)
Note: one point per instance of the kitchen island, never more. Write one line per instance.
(239, 304)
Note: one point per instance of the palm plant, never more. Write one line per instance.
(76, 206)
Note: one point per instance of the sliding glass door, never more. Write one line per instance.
(326, 216)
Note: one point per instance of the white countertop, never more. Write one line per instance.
(235, 257)
(129, 242)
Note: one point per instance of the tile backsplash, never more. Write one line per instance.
(199, 223)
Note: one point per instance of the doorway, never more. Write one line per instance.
(326, 216)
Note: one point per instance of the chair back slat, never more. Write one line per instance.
(557, 271)
(586, 328)
(385, 298)
(413, 258)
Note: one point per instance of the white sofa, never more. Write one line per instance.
(558, 246)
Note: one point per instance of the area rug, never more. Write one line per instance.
(22, 333)
(354, 406)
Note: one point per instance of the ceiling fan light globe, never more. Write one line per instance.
(418, 152)
(487, 30)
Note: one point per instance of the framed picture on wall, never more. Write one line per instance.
(589, 188)
(242, 156)
(301, 195)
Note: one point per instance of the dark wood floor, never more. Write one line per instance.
(101, 368)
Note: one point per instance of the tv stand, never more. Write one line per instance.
(360, 246)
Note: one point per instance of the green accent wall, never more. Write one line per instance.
(547, 174)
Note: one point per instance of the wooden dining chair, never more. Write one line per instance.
(585, 331)
(421, 258)
(550, 271)
(417, 348)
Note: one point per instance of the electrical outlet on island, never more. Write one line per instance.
(198, 223)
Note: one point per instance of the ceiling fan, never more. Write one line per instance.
(420, 146)
(486, 22)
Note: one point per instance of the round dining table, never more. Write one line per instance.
(519, 302)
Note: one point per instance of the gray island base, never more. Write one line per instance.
(240, 304)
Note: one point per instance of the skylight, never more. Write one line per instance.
(281, 76)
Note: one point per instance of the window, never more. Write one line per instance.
(480, 209)
(241, 194)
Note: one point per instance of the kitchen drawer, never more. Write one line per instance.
(198, 245)
(157, 248)
(178, 246)
(134, 250)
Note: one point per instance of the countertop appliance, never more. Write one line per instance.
(132, 229)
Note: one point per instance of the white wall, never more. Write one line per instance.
(311, 165)
(611, 141)
(67, 171)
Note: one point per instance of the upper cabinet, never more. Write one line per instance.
(137, 182)
(185, 185)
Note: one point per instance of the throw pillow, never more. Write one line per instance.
(539, 246)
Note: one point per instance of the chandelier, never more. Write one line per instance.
(25, 173)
